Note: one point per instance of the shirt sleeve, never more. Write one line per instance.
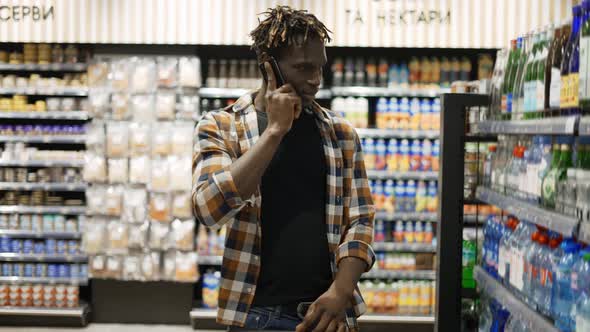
(360, 215)
(215, 197)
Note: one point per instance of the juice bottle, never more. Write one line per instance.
(382, 72)
(432, 205)
(428, 233)
(404, 298)
(409, 235)
(455, 69)
(404, 76)
(392, 155)
(395, 295)
(404, 161)
(414, 78)
(379, 231)
(415, 155)
(400, 196)
(404, 114)
(435, 114)
(379, 195)
(337, 72)
(419, 235)
(421, 197)
(426, 160)
(410, 196)
(379, 299)
(435, 155)
(371, 69)
(380, 152)
(445, 73)
(398, 233)
(368, 291)
(388, 204)
(435, 77)
(465, 72)
(424, 302)
(414, 297)
(414, 114)
(393, 76)
(369, 153)
(382, 111)
(425, 114)
(425, 72)
(388, 304)
(394, 114)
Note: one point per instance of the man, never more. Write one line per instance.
(288, 179)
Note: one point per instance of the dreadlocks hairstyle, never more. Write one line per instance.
(282, 26)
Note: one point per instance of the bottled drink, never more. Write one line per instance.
(525, 43)
(414, 121)
(421, 197)
(382, 72)
(379, 231)
(543, 283)
(496, 83)
(414, 77)
(566, 80)
(359, 72)
(400, 196)
(426, 156)
(429, 234)
(432, 204)
(507, 87)
(529, 75)
(381, 114)
(513, 172)
(349, 72)
(389, 191)
(519, 242)
(504, 250)
(404, 162)
(563, 299)
(541, 80)
(415, 155)
(584, 88)
(410, 196)
(337, 72)
(528, 275)
(488, 165)
(404, 76)
(556, 60)
(557, 173)
(583, 304)
(371, 70)
(538, 291)
(574, 68)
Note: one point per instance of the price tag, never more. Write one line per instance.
(570, 125)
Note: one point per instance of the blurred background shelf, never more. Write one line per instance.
(417, 175)
(396, 133)
(58, 115)
(43, 186)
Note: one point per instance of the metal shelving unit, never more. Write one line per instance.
(42, 209)
(18, 257)
(50, 67)
(58, 92)
(41, 280)
(562, 125)
(403, 247)
(58, 115)
(497, 291)
(407, 216)
(45, 316)
(418, 175)
(393, 274)
(367, 91)
(584, 127)
(41, 163)
(396, 133)
(46, 139)
(38, 235)
(43, 186)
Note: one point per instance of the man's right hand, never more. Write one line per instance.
(283, 105)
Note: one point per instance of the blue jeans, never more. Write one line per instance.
(269, 318)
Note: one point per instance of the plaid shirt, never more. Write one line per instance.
(222, 137)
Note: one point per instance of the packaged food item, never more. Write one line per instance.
(165, 105)
(182, 139)
(139, 138)
(113, 201)
(95, 200)
(113, 267)
(131, 268)
(117, 139)
(119, 76)
(95, 138)
(134, 205)
(143, 108)
(118, 235)
(169, 266)
(120, 106)
(161, 140)
(188, 107)
(68, 104)
(118, 170)
(98, 103)
(159, 174)
(150, 266)
(143, 79)
(138, 234)
(186, 267)
(158, 234)
(167, 72)
(97, 266)
(160, 206)
(183, 233)
(98, 72)
(140, 169)
(181, 204)
(189, 72)
(180, 172)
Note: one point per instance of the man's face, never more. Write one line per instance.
(301, 65)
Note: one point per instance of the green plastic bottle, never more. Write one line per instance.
(557, 174)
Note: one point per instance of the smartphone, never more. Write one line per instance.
(275, 68)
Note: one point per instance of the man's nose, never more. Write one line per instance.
(316, 78)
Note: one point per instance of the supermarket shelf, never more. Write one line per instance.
(54, 312)
(40, 235)
(370, 318)
(63, 92)
(406, 247)
(43, 186)
(53, 139)
(42, 163)
(474, 219)
(497, 291)
(210, 260)
(324, 94)
(562, 125)
(41, 280)
(385, 175)
(366, 91)
(584, 233)
(388, 274)
(42, 209)
(396, 133)
(222, 92)
(584, 128)
(17, 257)
(414, 216)
(59, 115)
(557, 222)
(50, 67)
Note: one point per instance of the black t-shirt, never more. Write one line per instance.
(295, 260)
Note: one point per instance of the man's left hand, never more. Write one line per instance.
(327, 313)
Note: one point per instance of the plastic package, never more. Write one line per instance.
(117, 139)
(119, 76)
(158, 235)
(134, 205)
(159, 174)
(139, 138)
(95, 168)
(98, 266)
(167, 72)
(118, 236)
(131, 268)
(160, 206)
(120, 106)
(189, 72)
(143, 108)
(182, 139)
(188, 107)
(143, 79)
(161, 140)
(181, 205)
(113, 201)
(180, 175)
(98, 103)
(183, 233)
(150, 266)
(98, 72)
(140, 169)
(186, 267)
(96, 199)
(95, 138)
(68, 104)
(165, 105)
(94, 236)
(113, 267)
(138, 234)
(169, 266)
(118, 170)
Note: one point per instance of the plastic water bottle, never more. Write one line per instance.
(541, 292)
(504, 250)
(520, 239)
(563, 299)
(528, 270)
(485, 318)
(583, 304)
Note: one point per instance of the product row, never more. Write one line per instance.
(39, 83)
(35, 130)
(41, 247)
(114, 236)
(401, 155)
(160, 105)
(38, 198)
(41, 175)
(404, 262)
(43, 54)
(403, 297)
(45, 270)
(42, 223)
(404, 232)
(405, 196)
(47, 296)
(150, 266)
(211, 242)
(20, 103)
(232, 73)
(145, 74)
(21, 151)
(414, 114)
